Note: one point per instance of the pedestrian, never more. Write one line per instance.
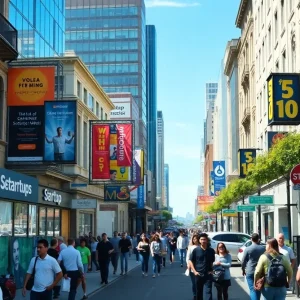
(47, 273)
(124, 246)
(164, 245)
(116, 253)
(71, 259)
(61, 244)
(194, 242)
(173, 246)
(249, 263)
(201, 261)
(94, 244)
(275, 274)
(286, 250)
(104, 250)
(223, 262)
(182, 244)
(86, 261)
(156, 248)
(134, 246)
(144, 252)
(128, 236)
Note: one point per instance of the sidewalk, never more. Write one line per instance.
(92, 281)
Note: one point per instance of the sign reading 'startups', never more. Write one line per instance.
(246, 161)
(30, 86)
(283, 99)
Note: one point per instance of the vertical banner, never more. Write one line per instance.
(140, 197)
(60, 131)
(246, 161)
(212, 184)
(124, 145)
(100, 153)
(219, 176)
(137, 167)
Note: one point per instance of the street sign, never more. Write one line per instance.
(246, 208)
(296, 187)
(229, 213)
(295, 175)
(261, 200)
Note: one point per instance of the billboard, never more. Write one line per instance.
(283, 99)
(274, 136)
(138, 167)
(26, 133)
(60, 131)
(116, 193)
(204, 202)
(246, 160)
(30, 86)
(219, 176)
(117, 159)
(122, 110)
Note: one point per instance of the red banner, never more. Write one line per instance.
(124, 146)
(100, 152)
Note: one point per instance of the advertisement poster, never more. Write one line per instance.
(219, 176)
(60, 131)
(116, 193)
(204, 202)
(21, 254)
(274, 136)
(26, 132)
(4, 259)
(100, 152)
(122, 110)
(124, 145)
(140, 198)
(30, 86)
(138, 169)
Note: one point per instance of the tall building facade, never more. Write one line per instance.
(166, 186)
(40, 25)
(160, 159)
(151, 109)
(211, 89)
(110, 37)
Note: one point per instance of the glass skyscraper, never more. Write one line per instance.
(40, 25)
(110, 37)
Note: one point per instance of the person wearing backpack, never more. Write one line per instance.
(276, 270)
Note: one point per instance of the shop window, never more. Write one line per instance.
(57, 222)
(32, 220)
(50, 222)
(20, 219)
(42, 221)
(85, 223)
(5, 218)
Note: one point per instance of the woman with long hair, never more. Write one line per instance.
(144, 251)
(194, 243)
(156, 249)
(223, 262)
(173, 246)
(277, 292)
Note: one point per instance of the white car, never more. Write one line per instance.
(232, 240)
(242, 249)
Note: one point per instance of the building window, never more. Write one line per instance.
(32, 229)
(20, 219)
(85, 97)
(57, 222)
(97, 110)
(101, 117)
(6, 217)
(50, 222)
(42, 221)
(59, 84)
(78, 89)
(91, 102)
(105, 116)
(85, 223)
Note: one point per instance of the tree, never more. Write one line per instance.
(168, 216)
(198, 219)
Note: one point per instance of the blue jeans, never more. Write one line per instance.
(192, 276)
(156, 263)
(254, 294)
(124, 257)
(46, 295)
(182, 254)
(144, 258)
(274, 293)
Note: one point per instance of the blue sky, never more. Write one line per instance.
(191, 40)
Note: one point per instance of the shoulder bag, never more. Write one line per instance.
(30, 282)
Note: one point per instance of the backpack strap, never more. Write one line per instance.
(269, 256)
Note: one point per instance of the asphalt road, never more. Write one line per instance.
(171, 285)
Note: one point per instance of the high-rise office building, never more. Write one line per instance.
(40, 25)
(110, 37)
(211, 90)
(160, 158)
(166, 186)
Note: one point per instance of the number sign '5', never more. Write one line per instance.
(283, 99)
(246, 161)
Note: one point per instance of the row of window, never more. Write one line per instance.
(110, 57)
(114, 68)
(101, 12)
(118, 80)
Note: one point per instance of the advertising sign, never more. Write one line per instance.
(122, 110)
(212, 183)
(60, 131)
(274, 136)
(116, 193)
(138, 167)
(124, 145)
(283, 99)
(26, 132)
(229, 213)
(84, 203)
(219, 176)
(30, 86)
(246, 161)
(140, 199)
(204, 202)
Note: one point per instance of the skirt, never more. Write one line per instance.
(223, 283)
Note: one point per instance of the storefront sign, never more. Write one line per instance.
(17, 186)
(261, 200)
(229, 213)
(116, 193)
(84, 203)
(52, 196)
(246, 208)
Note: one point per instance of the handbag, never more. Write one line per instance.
(218, 275)
(30, 282)
(259, 284)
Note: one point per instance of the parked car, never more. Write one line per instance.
(242, 249)
(232, 240)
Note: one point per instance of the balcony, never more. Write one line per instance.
(8, 40)
(245, 76)
(246, 117)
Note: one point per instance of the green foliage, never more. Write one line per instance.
(199, 219)
(167, 215)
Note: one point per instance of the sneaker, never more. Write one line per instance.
(84, 297)
(143, 273)
(153, 276)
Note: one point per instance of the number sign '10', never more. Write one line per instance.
(283, 99)
(246, 161)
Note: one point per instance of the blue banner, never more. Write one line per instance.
(219, 176)
(140, 197)
(60, 131)
(212, 183)
(116, 193)
(246, 161)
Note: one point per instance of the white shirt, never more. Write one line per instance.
(189, 252)
(182, 242)
(287, 252)
(45, 271)
(71, 259)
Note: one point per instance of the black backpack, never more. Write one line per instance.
(276, 274)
